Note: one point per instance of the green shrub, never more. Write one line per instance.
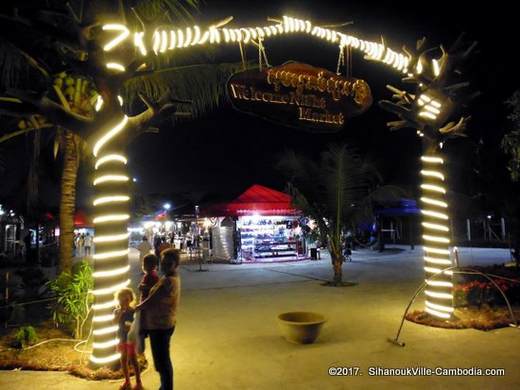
(73, 299)
(26, 335)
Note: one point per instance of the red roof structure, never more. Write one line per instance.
(81, 220)
(256, 199)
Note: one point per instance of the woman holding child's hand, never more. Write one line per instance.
(159, 311)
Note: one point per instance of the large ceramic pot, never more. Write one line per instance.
(301, 327)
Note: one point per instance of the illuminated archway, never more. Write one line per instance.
(428, 110)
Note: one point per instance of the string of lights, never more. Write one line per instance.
(111, 209)
(111, 179)
(438, 293)
(162, 40)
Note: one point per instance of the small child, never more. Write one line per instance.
(124, 316)
(150, 278)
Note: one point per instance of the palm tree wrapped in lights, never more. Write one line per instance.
(90, 40)
(428, 110)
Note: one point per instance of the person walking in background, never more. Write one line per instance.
(156, 244)
(164, 245)
(27, 241)
(124, 316)
(81, 242)
(144, 248)
(74, 246)
(88, 243)
(160, 312)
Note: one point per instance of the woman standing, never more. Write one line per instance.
(161, 309)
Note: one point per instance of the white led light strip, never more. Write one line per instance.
(106, 305)
(433, 188)
(113, 272)
(109, 158)
(106, 344)
(105, 318)
(436, 174)
(117, 40)
(167, 39)
(432, 160)
(105, 360)
(429, 237)
(111, 290)
(437, 313)
(434, 260)
(111, 199)
(110, 255)
(107, 330)
(437, 258)
(433, 270)
(435, 306)
(109, 135)
(434, 202)
(111, 218)
(435, 214)
(111, 238)
(437, 251)
(435, 226)
(110, 178)
(116, 277)
(439, 295)
(115, 66)
(438, 283)
(99, 103)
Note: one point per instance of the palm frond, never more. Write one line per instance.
(166, 11)
(339, 190)
(204, 84)
(15, 133)
(13, 67)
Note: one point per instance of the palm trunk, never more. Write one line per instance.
(337, 262)
(68, 202)
(32, 180)
(436, 228)
(111, 221)
(32, 197)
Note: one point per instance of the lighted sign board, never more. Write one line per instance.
(299, 95)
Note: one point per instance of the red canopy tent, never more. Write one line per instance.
(256, 199)
(81, 220)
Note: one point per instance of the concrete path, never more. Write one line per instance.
(227, 335)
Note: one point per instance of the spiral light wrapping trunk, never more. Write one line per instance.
(439, 291)
(111, 241)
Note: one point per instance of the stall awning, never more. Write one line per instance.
(256, 199)
(81, 220)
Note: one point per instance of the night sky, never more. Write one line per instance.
(226, 151)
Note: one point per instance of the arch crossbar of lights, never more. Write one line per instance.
(111, 177)
(165, 39)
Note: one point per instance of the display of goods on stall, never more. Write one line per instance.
(267, 238)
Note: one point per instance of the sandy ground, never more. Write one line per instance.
(227, 335)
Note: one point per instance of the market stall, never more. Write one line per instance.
(260, 225)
